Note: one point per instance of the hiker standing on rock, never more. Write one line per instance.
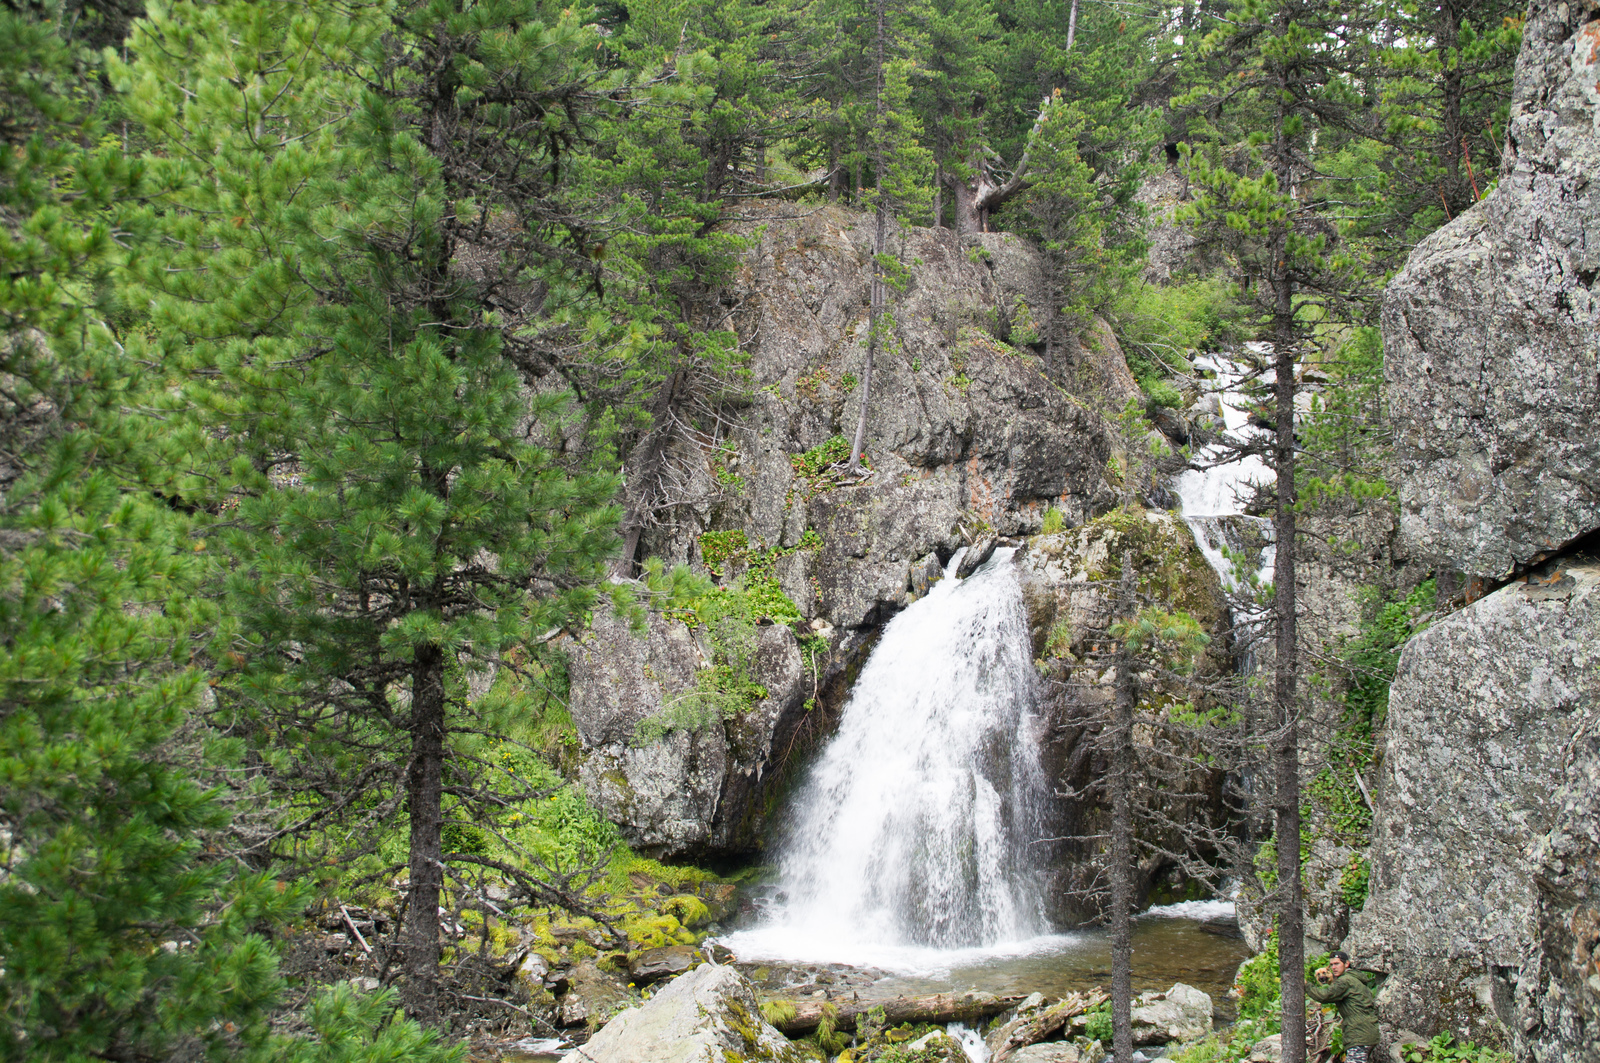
(1358, 1013)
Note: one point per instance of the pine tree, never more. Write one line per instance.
(121, 938)
(397, 511)
(1281, 69)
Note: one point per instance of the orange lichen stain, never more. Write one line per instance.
(1591, 31)
(980, 492)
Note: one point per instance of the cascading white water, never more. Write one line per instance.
(1211, 497)
(914, 829)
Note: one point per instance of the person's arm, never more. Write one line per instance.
(1334, 993)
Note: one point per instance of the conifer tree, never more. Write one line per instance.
(113, 928)
(397, 514)
(898, 165)
(1281, 70)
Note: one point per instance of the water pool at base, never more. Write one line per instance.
(1194, 943)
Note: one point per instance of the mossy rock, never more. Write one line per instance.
(1171, 570)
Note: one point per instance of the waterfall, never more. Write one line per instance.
(1211, 497)
(914, 829)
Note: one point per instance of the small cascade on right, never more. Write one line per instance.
(1212, 493)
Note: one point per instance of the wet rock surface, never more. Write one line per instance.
(1491, 330)
(689, 790)
(652, 965)
(1485, 712)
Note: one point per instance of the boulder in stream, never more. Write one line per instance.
(1060, 1052)
(1182, 1013)
(706, 1016)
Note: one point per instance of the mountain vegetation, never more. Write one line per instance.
(350, 350)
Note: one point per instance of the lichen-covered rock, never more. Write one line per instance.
(709, 1015)
(1483, 714)
(1559, 987)
(1182, 1013)
(690, 789)
(962, 428)
(1490, 331)
(1068, 588)
(1060, 1052)
(1063, 575)
(592, 997)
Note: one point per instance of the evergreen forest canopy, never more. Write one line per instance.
(331, 329)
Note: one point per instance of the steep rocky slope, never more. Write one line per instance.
(983, 419)
(1483, 908)
(1492, 330)
(969, 436)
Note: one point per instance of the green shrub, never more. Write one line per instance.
(1054, 521)
(1196, 315)
(1444, 1049)
(1160, 393)
(1098, 1024)
(814, 462)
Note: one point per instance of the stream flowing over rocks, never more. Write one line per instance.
(1483, 915)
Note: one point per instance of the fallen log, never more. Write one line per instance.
(941, 1007)
(1033, 1027)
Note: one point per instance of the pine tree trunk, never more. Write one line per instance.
(1072, 25)
(424, 798)
(964, 204)
(1286, 829)
(1121, 781)
(1286, 676)
(879, 245)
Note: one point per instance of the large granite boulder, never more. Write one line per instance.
(691, 789)
(1182, 1013)
(709, 1015)
(1559, 997)
(1490, 331)
(1484, 714)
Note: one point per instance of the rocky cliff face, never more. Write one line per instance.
(1491, 331)
(983, 417)
(1484, 712)
(1483, 906)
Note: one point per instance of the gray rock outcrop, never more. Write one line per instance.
(692, 788)
(969, 438)
(709, 1015)
(1491, 330)
(1483, 904)
(1064, 579)
(1484, 712)
(1182, 1013)
(1559, 985)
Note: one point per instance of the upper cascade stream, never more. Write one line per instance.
(914, 833)
(1211, 496)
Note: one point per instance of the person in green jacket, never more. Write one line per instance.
(1358, 1013)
